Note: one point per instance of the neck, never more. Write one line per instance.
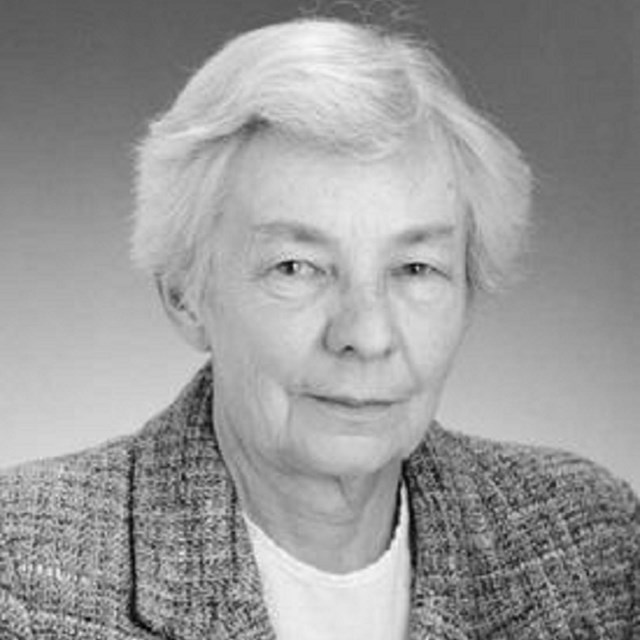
(337, 524)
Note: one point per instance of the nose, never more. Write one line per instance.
(362, 326)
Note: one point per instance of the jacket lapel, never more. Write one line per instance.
(195, 577)
(439, 605)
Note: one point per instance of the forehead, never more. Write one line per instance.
(276, 184)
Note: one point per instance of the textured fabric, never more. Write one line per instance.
(305, 603)
(144, 538)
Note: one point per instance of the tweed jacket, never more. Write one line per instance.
(144, 538)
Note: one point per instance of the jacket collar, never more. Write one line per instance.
(195, 576)
(194, 573)
(441, 575)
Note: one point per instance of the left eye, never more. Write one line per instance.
(414, 269)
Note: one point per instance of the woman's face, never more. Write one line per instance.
(337, 302)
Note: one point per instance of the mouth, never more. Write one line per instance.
(353, 407)
(354, 403)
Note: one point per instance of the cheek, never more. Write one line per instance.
(251, 393)
(282, 340)
(262, 352)
(431, 338)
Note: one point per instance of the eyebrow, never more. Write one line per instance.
(296, 231)
(424, 234)
(308, 234)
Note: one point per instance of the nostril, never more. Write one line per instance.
(366, 331)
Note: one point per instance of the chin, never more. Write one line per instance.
(352, 456)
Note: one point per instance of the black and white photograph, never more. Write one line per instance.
(320, 320)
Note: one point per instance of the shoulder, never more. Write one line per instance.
(63, 528)
(44, 494)
(68, 525)
(534, 520)
(78, 492)
(526, 475)
(71, 514)
(552, 495)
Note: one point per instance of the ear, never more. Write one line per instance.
(184, 318)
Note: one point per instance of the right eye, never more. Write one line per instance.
(295, 278)
(296, 269)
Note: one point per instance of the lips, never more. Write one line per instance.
(353, 409)
(350, 402)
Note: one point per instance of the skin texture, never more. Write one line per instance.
(337, 304)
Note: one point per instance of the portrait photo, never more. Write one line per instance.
(321, 320)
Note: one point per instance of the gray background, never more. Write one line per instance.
(85, 351)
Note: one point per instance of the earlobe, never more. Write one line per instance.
(184, 318)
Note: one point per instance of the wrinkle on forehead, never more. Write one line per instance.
(277, 178)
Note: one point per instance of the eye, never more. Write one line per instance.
(296, 269)
(415, 270)
(294, 278)
(419, 281)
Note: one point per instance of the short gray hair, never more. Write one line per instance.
(356, 89)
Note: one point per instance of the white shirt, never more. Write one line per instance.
(305, 603)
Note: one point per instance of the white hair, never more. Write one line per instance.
(354, 89)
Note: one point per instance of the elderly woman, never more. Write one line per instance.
(319, 209)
